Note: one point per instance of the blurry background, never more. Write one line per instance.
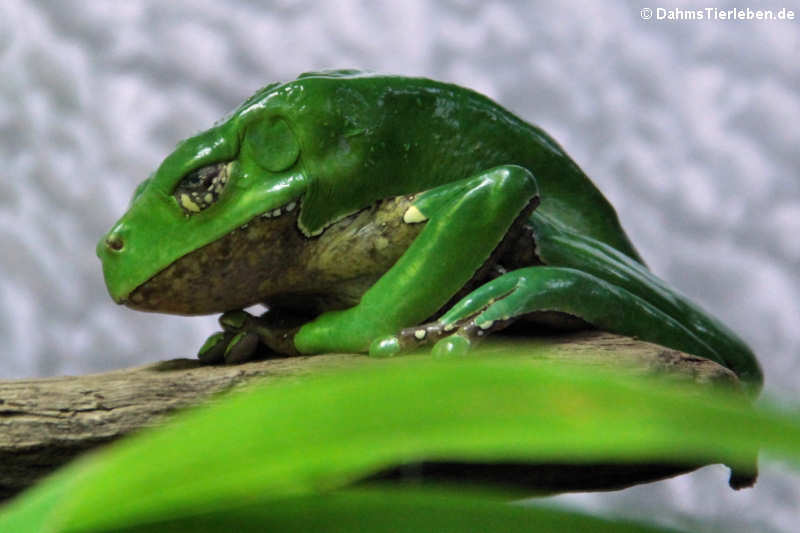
(690, 128)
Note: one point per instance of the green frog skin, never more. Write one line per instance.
(375, 213)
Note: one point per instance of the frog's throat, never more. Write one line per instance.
(270, 260)
(225, 273)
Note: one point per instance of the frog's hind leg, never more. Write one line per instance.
(465, 222)
(521, 292)
(559, 246)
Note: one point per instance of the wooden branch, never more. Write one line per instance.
(46, 422)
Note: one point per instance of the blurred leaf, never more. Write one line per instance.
(304, 438)
(391, 510)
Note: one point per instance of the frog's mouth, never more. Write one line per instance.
(235, 271)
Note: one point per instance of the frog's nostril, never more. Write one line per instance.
(115, 242)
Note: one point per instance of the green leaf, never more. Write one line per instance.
(391, 511)
(292, 440)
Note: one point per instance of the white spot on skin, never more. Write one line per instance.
(487, 324)
(414, 216)
(449, 327)
(208, 198)
(280, 210)
(188, 204)
(419, 334)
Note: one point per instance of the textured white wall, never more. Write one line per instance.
(690, 128)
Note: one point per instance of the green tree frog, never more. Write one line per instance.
(375, 213)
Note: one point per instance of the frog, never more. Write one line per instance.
(381, 214)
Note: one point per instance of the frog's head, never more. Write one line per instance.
(213, 183)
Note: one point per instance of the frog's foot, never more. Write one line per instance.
(449, 339)
(529, 291)
(245, 337)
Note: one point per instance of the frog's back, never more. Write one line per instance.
(395, 135)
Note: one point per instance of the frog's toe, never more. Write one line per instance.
(242, 348)
(453, 346)
(229, 348)
(213, 350)
(388, 346)
(235, 321)
(466, 336)
(237, 343)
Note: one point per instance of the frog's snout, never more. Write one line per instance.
(110, 250)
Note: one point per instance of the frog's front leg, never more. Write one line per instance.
(465, 221)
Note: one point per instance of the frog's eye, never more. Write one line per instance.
(200, 188)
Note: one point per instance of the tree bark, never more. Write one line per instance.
(46, 422)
